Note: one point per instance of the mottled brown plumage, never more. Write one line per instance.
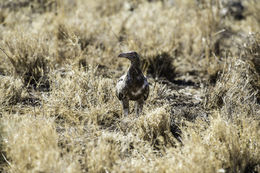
(133, 85)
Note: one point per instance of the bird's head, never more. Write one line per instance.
(132, 56)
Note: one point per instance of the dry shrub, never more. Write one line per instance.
(87, 92)
(35, 148)
(2, 159)
(160, 66)
(237, 143)
(102, 154)
(220, 146)
(14, 93)
(43, 6)
(29, 58)
(235, 151)
(154, 127)
(106, 8)
(151, 39)
(35, 6)
(252, 50)
(2, 16)
(11, 90)
(97, 150)
(85, 37)
(253, 9)
(237, 89)
(67, 44)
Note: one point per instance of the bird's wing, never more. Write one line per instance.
(146, 89)
(121, 87)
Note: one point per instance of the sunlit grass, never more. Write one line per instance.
(59, 66)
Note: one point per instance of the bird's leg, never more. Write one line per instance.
(125, 103)
(138, 107)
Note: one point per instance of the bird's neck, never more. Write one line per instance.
(134, 69)
(135, 64)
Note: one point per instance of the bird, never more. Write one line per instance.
(133, 85)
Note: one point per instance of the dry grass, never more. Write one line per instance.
(59, 66)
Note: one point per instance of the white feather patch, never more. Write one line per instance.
(121, 83)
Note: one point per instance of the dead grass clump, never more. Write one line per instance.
(13, 93)
(35, 6)
(106, 8)
(252, 50)
(11, 90)
(154, 127)
(86, 92)
(153, 35)
(43, 6)
(97, 150)
(102, 154)
(218, 146)
(34, 148)
(160, 66)
(237, 143)
(68, 45)
(253, 9)
(29, 58)
(2, 16)
(251, 54)
(237, 89)
(78, 41)
(2, 157)
(85, 85)
(14, 5)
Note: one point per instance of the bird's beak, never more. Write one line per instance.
(125, 55)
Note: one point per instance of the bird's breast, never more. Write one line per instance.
(132, 87)
(139, 90)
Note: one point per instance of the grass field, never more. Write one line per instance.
(58, 70)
